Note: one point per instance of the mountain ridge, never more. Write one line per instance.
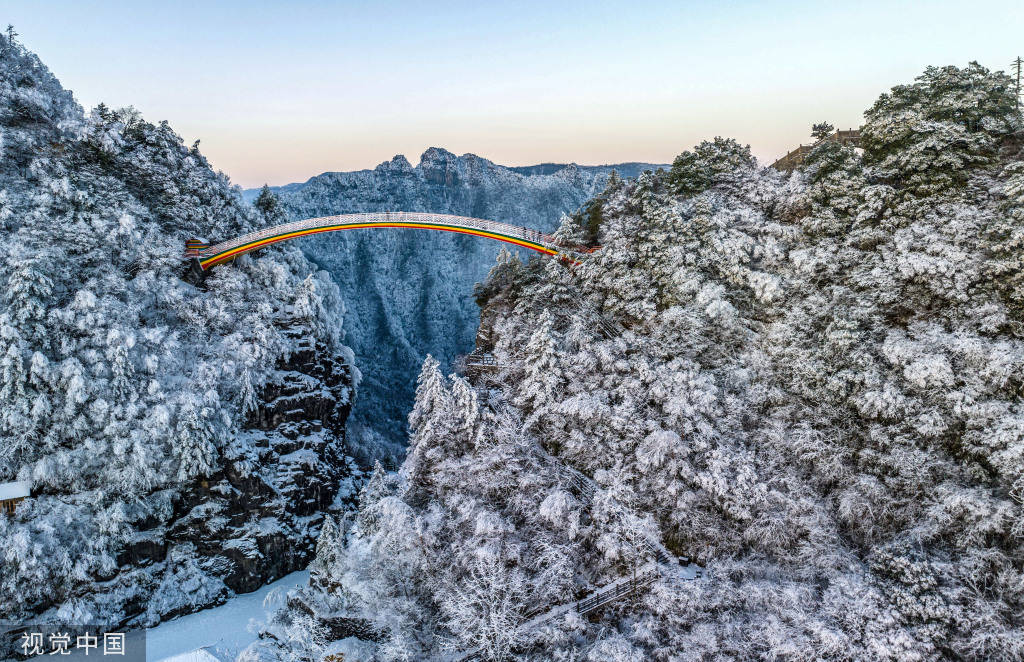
(182, 443)
(625, 169)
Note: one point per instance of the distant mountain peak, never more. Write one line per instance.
(440, 166)
(435, 154)
(397, 164)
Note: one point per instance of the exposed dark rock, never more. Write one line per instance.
(338, 627)
(258, 518)
(143, 551)
(194, 274)
(343, 627)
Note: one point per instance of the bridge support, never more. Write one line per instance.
(194, 273)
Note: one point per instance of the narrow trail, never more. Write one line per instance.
(600, 598)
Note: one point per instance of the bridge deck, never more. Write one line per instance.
(514, 234)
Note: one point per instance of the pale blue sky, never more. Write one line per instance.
(279, 92)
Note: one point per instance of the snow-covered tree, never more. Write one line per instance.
(119, 381)
(927, 137)
(694, 172)
(543, 374)
(809, 383)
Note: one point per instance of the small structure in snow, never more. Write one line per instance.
(11, 494)
(479, 362)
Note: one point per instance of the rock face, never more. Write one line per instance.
(410, 292)
(258, 519)
(127, 374)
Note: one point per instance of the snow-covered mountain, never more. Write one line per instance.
(181, 442)
(410, 292)
(812, 384)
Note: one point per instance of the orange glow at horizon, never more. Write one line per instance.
(280, 94)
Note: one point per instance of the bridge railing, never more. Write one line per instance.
(483, 358)
(616, 591)
(519, 232)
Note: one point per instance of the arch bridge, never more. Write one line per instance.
(225, 251)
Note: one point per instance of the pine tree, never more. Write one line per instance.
(926, 138)
(14, 413)
(555, 289)
(377, 488)
(330, 551)
(248, 400)
(27, 293)
(543, 374)
(836, 179)
(10, 45)
(122, 372)
(710, 162)
(466, 415)
(194, 443)
(822, 130)
(430, 423)
(270, 207)
(432, 398)
(507, 269)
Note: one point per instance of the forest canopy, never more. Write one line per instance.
(809, 382)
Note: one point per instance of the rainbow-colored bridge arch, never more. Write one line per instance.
(225, 251)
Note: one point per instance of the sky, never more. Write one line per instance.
(280, 92)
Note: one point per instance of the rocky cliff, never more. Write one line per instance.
(182, 440)
(250, 523)
(410, 292)
(258, 518)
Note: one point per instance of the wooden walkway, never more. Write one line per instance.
(602, 597)
(479, 362)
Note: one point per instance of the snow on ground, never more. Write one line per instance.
(225, 629)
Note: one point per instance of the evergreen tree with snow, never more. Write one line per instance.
(119, 381)
(822, 130)
(270, 207)
(543, 374)
(927, 138)
(430, 422)
(694, 172)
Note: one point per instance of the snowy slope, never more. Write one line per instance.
(810, 383)
(224, 629)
